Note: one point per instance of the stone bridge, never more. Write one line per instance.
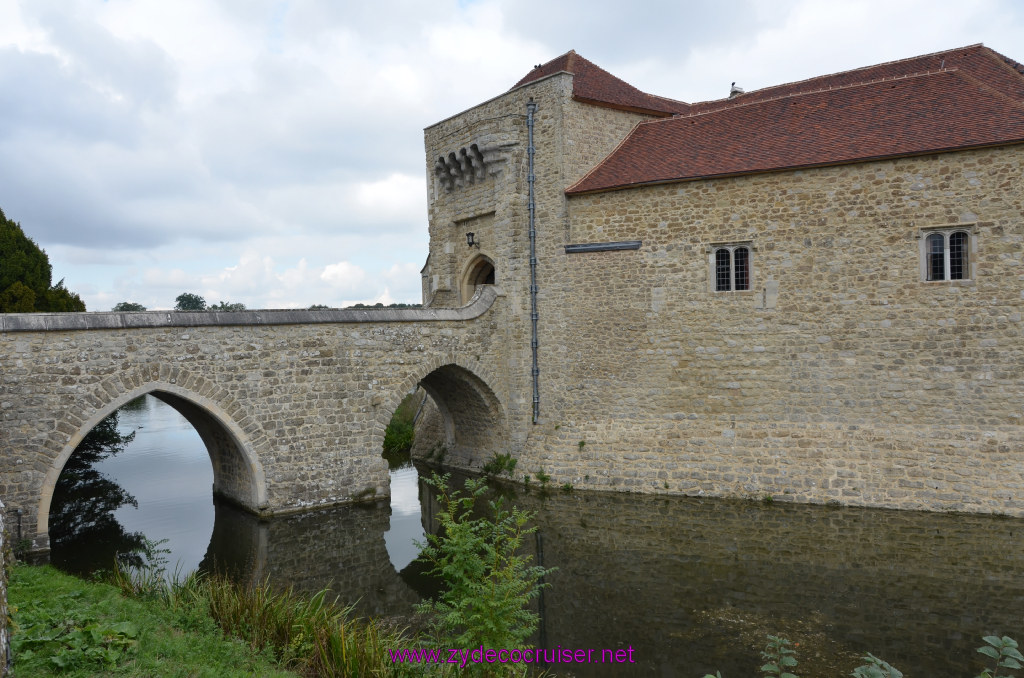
(292, 405)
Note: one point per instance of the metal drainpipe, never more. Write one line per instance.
(531, 108)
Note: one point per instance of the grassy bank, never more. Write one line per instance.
(80, 628)
(140, 626)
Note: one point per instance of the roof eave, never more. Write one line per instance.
(792, 168)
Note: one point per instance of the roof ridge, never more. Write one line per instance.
(566, 55)
(669, 99)
(830, 88)
(850, 70)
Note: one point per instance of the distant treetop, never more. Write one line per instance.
(125, 306)
(226, 306)
(186, 301)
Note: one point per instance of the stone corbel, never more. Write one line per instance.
(470, 164)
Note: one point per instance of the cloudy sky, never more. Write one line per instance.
(270, 152)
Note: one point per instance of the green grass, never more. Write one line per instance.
(92, 629)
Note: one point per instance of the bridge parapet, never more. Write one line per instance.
(56, 322)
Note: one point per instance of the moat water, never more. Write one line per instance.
(691, 585)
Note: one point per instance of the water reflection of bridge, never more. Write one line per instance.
(342, 548)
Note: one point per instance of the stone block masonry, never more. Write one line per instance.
(292, 406)
(840, 375)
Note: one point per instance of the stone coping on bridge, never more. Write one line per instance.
(110, 320)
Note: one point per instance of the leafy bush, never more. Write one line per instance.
(488, 584)
(779, 657)
(876, 668)
(1005, 653)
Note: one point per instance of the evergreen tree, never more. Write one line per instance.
(26, 274)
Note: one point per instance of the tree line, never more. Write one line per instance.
(186, 301)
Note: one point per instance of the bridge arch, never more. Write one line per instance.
(237, 471)
(475, 421)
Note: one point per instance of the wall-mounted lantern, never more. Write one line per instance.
(471, 240)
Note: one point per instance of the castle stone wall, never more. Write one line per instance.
(840, 376)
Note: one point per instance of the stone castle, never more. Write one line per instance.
(812, 291)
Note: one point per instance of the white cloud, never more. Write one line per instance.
(343, 275)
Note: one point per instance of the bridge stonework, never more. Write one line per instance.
(292, 406)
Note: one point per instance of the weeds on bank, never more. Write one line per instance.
(312, 635)
(500, 464)
(780, 658)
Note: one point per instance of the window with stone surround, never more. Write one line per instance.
(730, 267)
(947, 254)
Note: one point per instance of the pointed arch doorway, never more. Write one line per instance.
(480, 271)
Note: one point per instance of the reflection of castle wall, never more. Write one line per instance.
(238, 546)
(686, 580)
(342, 549)
(640, 571)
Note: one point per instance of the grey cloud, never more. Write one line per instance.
(138, 71)
(295, 126)
(38, 94)
(610, 31)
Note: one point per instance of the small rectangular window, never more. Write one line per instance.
(731, 267)
(945, 255)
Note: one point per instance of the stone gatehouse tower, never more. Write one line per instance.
(812, 291)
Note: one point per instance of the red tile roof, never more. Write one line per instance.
(594, 85)
(965, 98)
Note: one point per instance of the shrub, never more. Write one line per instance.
(488, 584)
(500, 463)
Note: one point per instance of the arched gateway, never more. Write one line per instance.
(474, 421)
